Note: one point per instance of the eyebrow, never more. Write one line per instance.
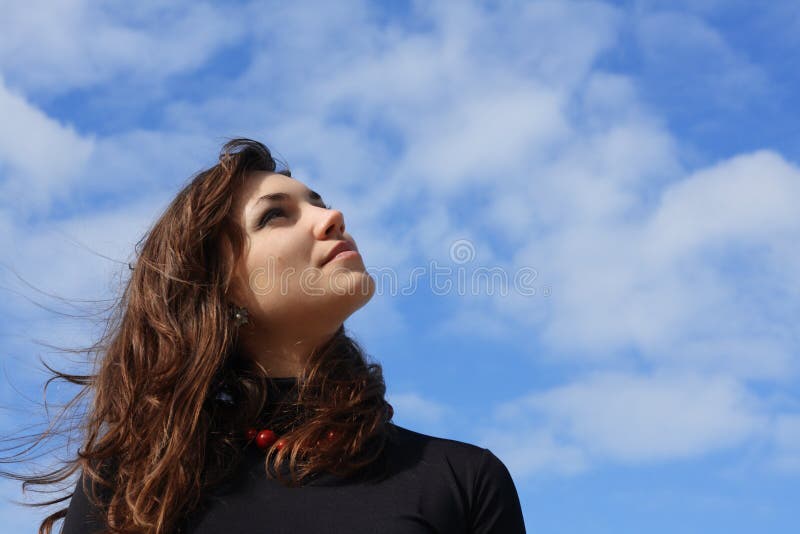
(312, 195)
(277, 197)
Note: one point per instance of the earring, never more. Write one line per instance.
(239, 315)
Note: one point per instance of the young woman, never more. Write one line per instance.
(227, 396)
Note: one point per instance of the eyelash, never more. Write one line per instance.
(270, 213)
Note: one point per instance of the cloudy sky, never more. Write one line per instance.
(627, 173)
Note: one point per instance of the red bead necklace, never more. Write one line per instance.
(266, 438)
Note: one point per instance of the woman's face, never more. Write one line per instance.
(284, 278)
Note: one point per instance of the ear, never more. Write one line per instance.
(236, 294)
(232, 298)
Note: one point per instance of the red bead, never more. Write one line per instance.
(279, 444)
(265, 438)
(331, 435)
(251, 434)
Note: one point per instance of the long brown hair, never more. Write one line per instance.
(170, 393)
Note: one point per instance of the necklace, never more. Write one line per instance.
(265, 438)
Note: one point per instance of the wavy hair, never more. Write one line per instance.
(169, 392)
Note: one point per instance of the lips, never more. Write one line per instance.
(341, 246)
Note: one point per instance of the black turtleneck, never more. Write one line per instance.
(427, 484)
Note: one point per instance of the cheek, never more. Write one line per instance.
(277, 275)
(278, 265)
(265, 272)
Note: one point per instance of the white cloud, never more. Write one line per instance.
(404, 121)
(53, 46)
(628, 419)
(82, 258)
(681, 279)
(749, 197)
(786, 453)
(484, 135)
(71, 258)
(414, 408)
(39, 157)
(534, 451)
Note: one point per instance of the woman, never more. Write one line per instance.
(228, 397)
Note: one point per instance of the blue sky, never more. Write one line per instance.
(641, 158)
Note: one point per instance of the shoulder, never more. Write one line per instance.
(433, 446)
(471, 464)
(476, 475)
(83, 515)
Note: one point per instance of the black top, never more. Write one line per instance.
(427, 484)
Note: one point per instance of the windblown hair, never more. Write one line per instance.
(169, 392)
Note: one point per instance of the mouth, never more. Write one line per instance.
(341, 250)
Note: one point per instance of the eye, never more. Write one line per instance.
(269, 215)
(275, 212)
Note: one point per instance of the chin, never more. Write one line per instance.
(357, 285)
(369, 288)
(343, 306)
(360, 291)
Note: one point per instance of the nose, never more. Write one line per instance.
(330, 224)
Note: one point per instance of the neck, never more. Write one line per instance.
(285, 356)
